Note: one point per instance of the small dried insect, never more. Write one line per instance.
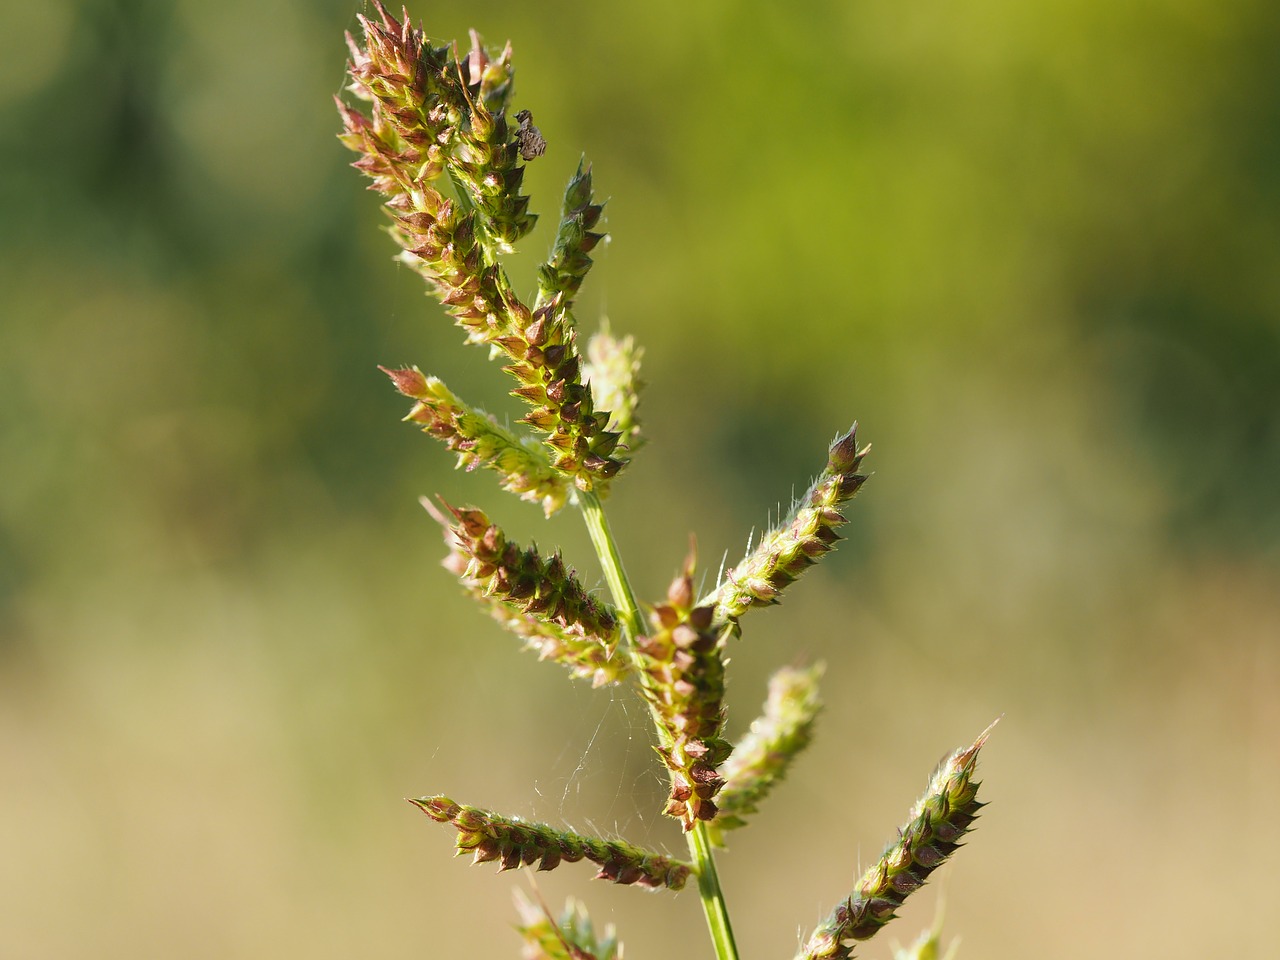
(530, 138)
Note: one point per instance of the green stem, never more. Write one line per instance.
(713, 904)
(624, 599)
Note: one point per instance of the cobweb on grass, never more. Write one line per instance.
(606, 780)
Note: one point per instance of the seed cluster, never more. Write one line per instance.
(807, 534)
(432, 114)
(681, 663)
(482, 557)
(479, 440)
(940, 818)
(512, 842)
(762, 757)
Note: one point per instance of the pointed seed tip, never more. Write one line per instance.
(982, 737)
(435, 513)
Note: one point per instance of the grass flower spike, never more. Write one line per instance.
(536, 599)
(941, 816)
(561, 276)
(681, 663)
(444, 142)
(512, 842)
(762, 757)
(482, 556)
(798, 542)
(479, 441)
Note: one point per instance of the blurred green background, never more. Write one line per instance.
(1033, 248)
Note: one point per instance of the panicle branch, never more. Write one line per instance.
(761, 759)
(681, 664)
(613, 372)
(485, 161)
(563, 273)
(799, 541)
(513, 842)
(433, 114)
(939, 819)
(480, 441)
(538, 600)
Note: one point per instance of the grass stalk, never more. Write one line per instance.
(430, 118)
(624, 598)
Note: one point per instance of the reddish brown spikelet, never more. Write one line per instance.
(512, 842)
(577, 629)
(681, 663)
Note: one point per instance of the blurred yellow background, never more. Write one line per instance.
(1033, 248)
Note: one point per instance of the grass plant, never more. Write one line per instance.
(432, 132)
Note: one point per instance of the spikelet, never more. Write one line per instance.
(561, 276)
(480, 441)
(798, 542)
(513, 842)
(681, 664)
(761, 759)
(938, 821)
(572, 937)
(544, 602)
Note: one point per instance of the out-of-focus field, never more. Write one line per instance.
(1033, 248)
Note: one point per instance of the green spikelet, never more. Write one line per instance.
(762, 757)
(798, 542)
(572, 937)
(480, 441)
(561, 276)
(513, 842)
(613, 371)
(938, 821)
